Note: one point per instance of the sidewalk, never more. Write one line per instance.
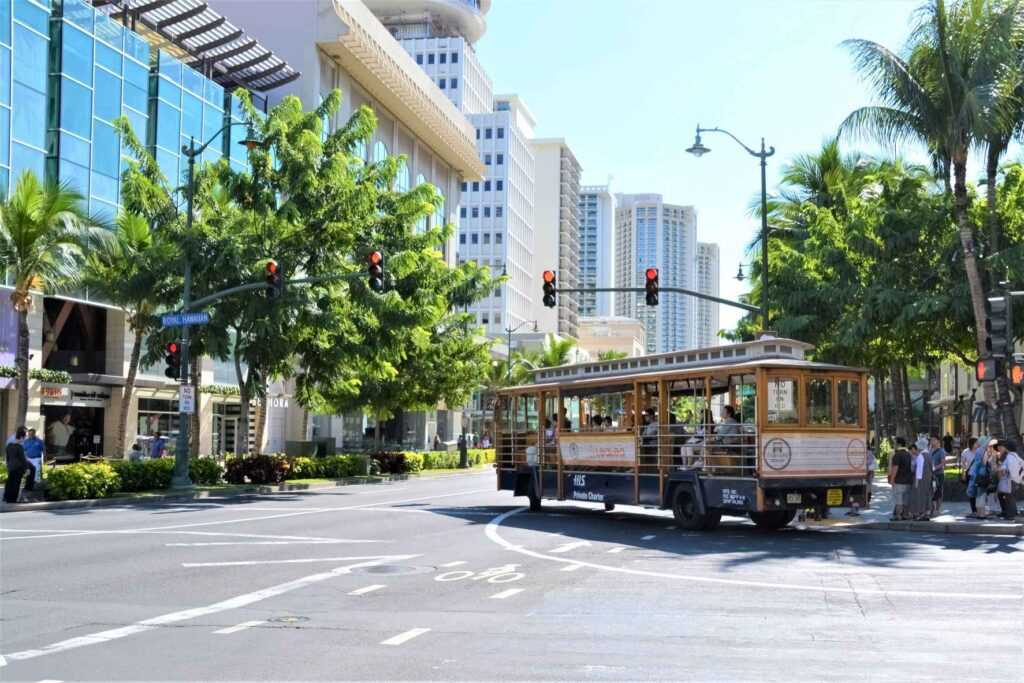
(952, 518)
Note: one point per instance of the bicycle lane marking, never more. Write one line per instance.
(492, 533)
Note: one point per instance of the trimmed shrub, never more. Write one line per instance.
(304, 468)
(205, 471)
(82, 480)
(256, 469)
(391, 462)
(3, 473)
(440, 460)
(144, 475)
(413, 461)
(341, 466)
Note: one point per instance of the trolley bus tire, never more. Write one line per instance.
(531, 494)
(608, 507)
(684, 509)
(772, 520)
(712, 519)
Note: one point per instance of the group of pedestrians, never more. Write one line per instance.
(917, 475)
(23, 454)
(994, 473)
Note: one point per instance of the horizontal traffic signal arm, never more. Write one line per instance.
(673, 290)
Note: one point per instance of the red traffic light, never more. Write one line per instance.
(375, 258)
(172, 347)
(271, 267)
(549, 276)
(652, 273)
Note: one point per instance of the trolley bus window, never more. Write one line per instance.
(848, 398)
(819, 401)
(782, 401)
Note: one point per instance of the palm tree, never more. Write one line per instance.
(611, 355)
(554, 352)
(42, 229)
(946, 95)
(128, 268)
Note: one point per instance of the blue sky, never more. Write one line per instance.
(626, 82)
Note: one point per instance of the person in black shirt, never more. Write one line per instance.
(17, 465)
(901, 477)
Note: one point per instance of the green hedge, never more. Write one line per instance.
(82, 480)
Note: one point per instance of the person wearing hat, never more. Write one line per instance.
(1008, 465)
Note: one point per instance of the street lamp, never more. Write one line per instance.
(181, 477)
(698, 150)
(510, 331)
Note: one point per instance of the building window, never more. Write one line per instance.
(455, 83)
(498, 211)
(497, 292)
(487, 186)
(487, 159)
(498, 238)
(462, 237)
(487, 212)
(500, 160)
(455, 58)
(465, 185)
(442, 58)
(476, 186)
(477, 133)
(402, 181)
(442, 83)
(501, 133)
(497, 318)
(485, 319)
(476, 212)
(488, 133)
(474, 238)
(462, 214)
(430, 58)
(419, 58)
(499, 185)
(487, 238)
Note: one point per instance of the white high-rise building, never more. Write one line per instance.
(557, 232)
(597, 249)
(651, 233)
(707, 283)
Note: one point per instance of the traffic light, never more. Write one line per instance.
(651, 286)
(275, 281)
(550, 287)
(375, 271)
(988, 369)
(173, 360)
(999, 325)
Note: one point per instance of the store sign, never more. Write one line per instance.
(75, 394)
(614, 450)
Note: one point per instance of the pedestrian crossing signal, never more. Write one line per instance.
(550, 288)
(987, 369)
(651, 285)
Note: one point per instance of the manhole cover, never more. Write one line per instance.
(393, 569)
(288, 620)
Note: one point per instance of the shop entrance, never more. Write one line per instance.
(83, 432)
(225, 427)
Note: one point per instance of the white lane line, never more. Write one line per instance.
(648, 537)
(572, 567)
(491, 530)
(367, 589)
(317, 542)
(507, 594)
(570, 546)
(617, 549)
(50, 680)
(304, 560)
(671, 528)
(184, 615)
(49, 534)
(403, 637)
(456, 563)
(239, 627)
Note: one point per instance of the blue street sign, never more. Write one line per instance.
(179, 319)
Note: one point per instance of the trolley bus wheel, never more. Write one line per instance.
(531, 494)
(684, 509)
(772, 520)
(608, 507)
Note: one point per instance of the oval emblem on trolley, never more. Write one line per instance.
(857, 454)
(777, 454)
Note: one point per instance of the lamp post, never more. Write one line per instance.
(510, 331)
(698, 150)
(181, 477)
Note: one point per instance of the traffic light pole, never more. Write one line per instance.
(672, 290)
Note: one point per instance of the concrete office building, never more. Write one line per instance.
(597, 249)
(612, 333)
(651, 233)
(706, 328)
(557, 231)
(169, 67)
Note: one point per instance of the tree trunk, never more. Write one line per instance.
(129, 392)
(377, 434)
(908, 404)
(242, 433)
(261, 418)
(305, 424)
(995, 150)
(880, 432)
(21, 360)
(899, 414)
(193, 420)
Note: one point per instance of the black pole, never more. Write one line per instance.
(764, 237)
(181, 478)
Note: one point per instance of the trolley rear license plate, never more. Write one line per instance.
(794, 498)
(834, 497)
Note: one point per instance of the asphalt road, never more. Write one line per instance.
(447, 578)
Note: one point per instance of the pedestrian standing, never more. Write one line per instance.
(1008, 469)
(34, 450)
(983, 475)
(59, 434)
(17, 465)
(901, 477)
(938, 464)
(966, 464)
(921, 495)
(158, 446)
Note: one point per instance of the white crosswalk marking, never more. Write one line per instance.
(648, 537)
(572, 567)
(239, 627)
(367, 589)
(506, 594)
(404, 637)
(617, 549)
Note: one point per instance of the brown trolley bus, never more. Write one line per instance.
(747, 429)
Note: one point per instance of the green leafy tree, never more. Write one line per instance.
(611, 355)
(42, 229)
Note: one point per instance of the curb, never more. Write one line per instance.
(194, 495)
(993, 529)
